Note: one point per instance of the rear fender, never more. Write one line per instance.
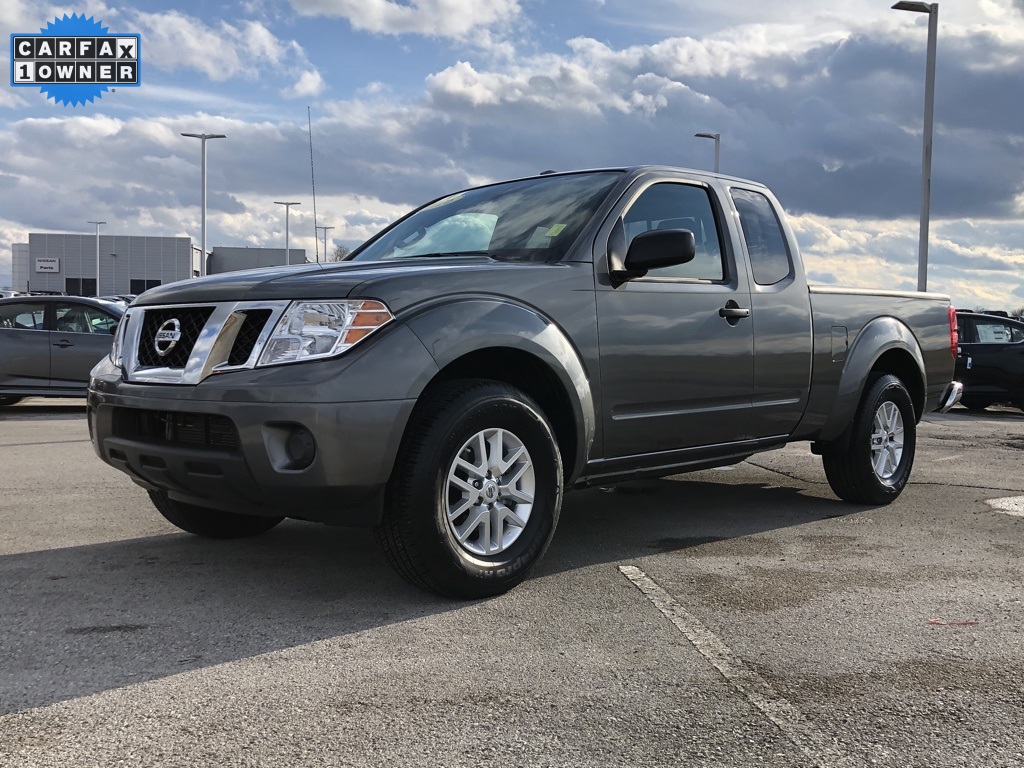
(879, 337)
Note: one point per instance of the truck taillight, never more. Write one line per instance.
(954, 336)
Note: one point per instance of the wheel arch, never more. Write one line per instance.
(884, 345)
(502, 341)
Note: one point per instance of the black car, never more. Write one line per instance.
(48, 344)
(990, 360)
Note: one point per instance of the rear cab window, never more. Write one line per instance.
(767, 249)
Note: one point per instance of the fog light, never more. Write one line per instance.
(301, 447)
(290, 446)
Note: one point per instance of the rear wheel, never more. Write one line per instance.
(874, 466)
(9, 400)
(476, 491)
(210, 523)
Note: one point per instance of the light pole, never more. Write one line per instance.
(718, 143)
(287, 251)
(932, 9)
(113, 276)
(325, 240)
(97, 223)
(203, 137)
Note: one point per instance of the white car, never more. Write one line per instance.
(9, 294)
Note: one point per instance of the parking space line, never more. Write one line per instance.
(822, 751)
(1009, 505)
(45, 442)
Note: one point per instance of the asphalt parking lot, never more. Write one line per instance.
(738, 617)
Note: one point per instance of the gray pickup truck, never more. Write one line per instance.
(501, 345)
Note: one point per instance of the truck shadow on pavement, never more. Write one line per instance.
(87, 619)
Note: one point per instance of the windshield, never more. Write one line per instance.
(529, 220)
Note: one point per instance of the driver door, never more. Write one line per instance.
(675, 373)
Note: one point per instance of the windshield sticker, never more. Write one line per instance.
(556, 230)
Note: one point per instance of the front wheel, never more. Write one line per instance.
(475, 493)
(210, 523)
(874, 466)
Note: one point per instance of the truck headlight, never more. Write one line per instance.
(117, 347)
(310, 330)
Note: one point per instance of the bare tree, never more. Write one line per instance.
(1018, 313)
(340, 252)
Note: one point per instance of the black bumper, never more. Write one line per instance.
(236, 456)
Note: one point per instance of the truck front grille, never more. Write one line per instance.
(245, 341)
(190, 323)
(175, 344)
(203, 430)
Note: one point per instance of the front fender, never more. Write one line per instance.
(879, 337)
(453, 330)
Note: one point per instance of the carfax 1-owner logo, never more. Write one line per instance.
(74, 60)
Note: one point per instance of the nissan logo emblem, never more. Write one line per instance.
(167, 337)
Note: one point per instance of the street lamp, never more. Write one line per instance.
(203, 137)
(718, 143)
(113, 276)
(97, 223)
(932, 9)
(325, 240)
(287, 251)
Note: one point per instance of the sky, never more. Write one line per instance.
(408, 100)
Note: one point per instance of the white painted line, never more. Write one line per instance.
(1010, 505)
(822, 751)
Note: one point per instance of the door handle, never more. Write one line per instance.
(733, 311)
(63, 344)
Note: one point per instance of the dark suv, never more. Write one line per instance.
(990, 360)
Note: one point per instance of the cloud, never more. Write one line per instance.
(976, 262)
(310, 83)
(174, 40)
(432, 18)
(827, 112)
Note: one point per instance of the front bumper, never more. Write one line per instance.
(236, 456)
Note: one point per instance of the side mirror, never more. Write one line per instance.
(660, 248)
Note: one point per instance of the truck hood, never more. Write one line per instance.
(314, 281)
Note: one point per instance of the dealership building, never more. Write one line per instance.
(128, 264)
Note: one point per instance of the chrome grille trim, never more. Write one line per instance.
(212, 349)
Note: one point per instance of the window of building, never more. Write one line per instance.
(679, 206)
(136, 287)
(770, 261)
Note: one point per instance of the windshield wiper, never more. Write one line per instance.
(441, 254)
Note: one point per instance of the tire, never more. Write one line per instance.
(460, 521)
(974, 405)
(6, 400)
(211, 523)
(866, 471)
